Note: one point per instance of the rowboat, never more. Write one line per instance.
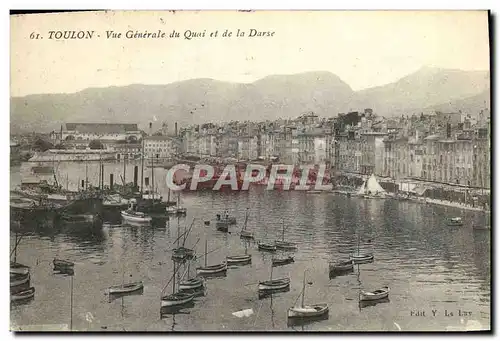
(267, 247)
(212, 269)
(307, 311)
(361, 258)
(126, 288)
(59, 263)
(19, 269)
(17, 280)
(244, 232)
(282, 261)
(23, 295)
(374, 295)
(347, 265)
(274, 284)
(181, 210)
(456, 221)
(242, 259)
(136, 217)
(190, 284)
(284, 245)
(314, 310)
(179, 298)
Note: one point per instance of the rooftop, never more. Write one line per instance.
(102, 127)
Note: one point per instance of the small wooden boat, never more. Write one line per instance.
(211, 269)
(282, 244)
(374, 295)
(307, 311)
(23, 295)
(242, 259)
(126, 288)
(267, 247)
(179, 298)
(59, 263)
(314, 310)
(282, 261)
(244, 233)
(347, 265)
(274, 284)
(456, 221)
(191, 284)
(361, 258)
(19, 269)
(136, 217)
(17, 280)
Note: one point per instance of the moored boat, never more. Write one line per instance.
(212, 269)
(178, 298)
(60, 263)
(342, 266)
(374, 295)
(282, 261)
(136, 217)
(23, 295)
(314, 310)
(191, 284)
(274, 284)
(456, 221)
(266, 247)
(17, 280)
(19, 269)
(244, 233)
(360, 258)
(181, 210)
(182, 252)
(126, 288)
(284, 245)
(242, 259)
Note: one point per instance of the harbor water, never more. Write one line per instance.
(439, 276)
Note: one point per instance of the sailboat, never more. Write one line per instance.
(274, 284)
(360, 258)
(176, 298)
(211, 269)
(341, 267)
(244, 232)
(181, 252)
(309, 311)
(282, 244)
(240, 259)
(125, 288)
(135, 217)
(371, 189)
(192, 283)
(15, 267)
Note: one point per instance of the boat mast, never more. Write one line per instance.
(142, 166)
(271, 278)
(153, 179)
(71, 306)
(86, 174)
(178, 231)
(15, 250)
(124, 170)
(206, 245)
(303, 289)
(283, 232)
(173, 284)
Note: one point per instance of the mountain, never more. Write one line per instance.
(473, 104)
(202, 100)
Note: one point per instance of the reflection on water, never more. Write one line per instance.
(426, 264)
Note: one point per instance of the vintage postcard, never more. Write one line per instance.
(250, 171)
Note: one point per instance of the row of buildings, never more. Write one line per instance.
(450, 148)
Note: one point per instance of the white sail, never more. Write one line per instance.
(373, 187)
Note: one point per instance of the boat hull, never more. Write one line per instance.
(341, 267)
(19, 269)
(315, 310)
(267, 247)
(191, 284)
(214, 269)
(126, 288)
(277, 284)
(23, 295)
(360, 259)
(18, 280)
(366, 296)
(133, 219)
(246, 234)
(176, 300)
(285, 245)
(239, 259)
(280, 262)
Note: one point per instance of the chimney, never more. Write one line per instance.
(176, 129)
(448, 130)
(150, 129)
(111, 181)
(136, 172)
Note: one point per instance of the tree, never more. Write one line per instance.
(96, 144)
(40, 145)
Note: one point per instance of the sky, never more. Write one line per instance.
(363, 48)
